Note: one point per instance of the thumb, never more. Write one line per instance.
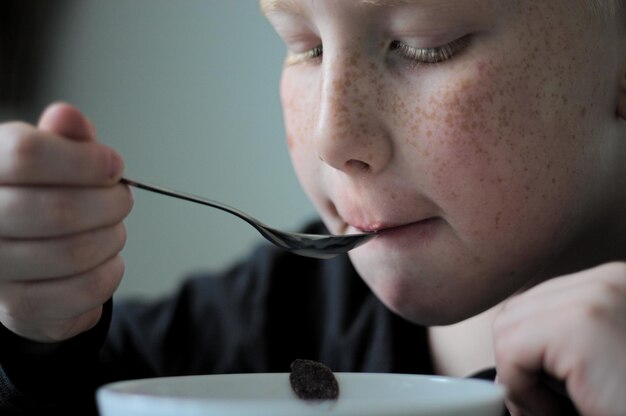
(65, 120)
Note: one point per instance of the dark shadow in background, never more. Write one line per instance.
(25, 32)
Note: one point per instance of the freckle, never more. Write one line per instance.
(583, 111)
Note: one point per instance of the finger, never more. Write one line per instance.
(534, 334)
(31, 156)
(65, 329)
(528, 348)
(523, 352)
(575, 280)
(65, 120)
(539, 401)
(53, 258)
(548, 299)
(57, 330)
(520, 346)
(582, 297)
(48, 301)
(35, 212)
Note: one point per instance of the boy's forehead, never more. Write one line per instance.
(268, 6)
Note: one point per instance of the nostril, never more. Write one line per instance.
(354, 164)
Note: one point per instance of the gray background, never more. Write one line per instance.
(187, 92)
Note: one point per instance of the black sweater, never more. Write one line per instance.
(258, 316)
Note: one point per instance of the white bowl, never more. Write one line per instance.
(270, 394)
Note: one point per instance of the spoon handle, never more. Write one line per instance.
(189, 197)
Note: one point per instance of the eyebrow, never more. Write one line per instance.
(268, 6)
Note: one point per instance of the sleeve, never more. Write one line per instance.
(214, 323)
(256, 316)
(259, 316)
(43, 378)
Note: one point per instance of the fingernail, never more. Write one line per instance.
(116, 165)
(92, 129)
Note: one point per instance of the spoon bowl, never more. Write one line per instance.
(321, 246)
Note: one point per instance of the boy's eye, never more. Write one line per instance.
(417, 55)
(430, 55)
(306, 56)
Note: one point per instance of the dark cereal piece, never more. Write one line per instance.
(311, 380)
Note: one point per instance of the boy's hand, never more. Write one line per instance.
(574, 329)
(61, 231)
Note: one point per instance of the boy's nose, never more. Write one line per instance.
(351, 135)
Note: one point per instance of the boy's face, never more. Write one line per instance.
(480, 136)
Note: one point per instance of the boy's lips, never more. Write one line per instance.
(381, 228)
(383, 222)
(409, 235)
(367, 215)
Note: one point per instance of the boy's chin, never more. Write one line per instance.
(433, 299)
(433, 309)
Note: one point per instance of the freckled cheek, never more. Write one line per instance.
(490, 181)
(461, 172)
(299, 127)
(469, 161)
(297, 113)
(454, 146)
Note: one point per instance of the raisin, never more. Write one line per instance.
(311, 380)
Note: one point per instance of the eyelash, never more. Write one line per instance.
(431, 55)
(306, 56)
(418, 55)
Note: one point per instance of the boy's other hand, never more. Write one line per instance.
(61, 231)
(574, 329)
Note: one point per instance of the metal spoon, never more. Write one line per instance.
(321, 246)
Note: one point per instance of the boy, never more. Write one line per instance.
(484, 141)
